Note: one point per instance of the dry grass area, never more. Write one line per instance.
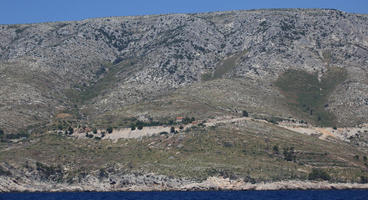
(240, 149)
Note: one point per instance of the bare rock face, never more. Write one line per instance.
(124, 60)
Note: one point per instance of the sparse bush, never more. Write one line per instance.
(334, 127)
(319, 174)
(103, 174)
(356, 157)
(94, 131)
(276, 149)
(181, 127)
(245, 113)
(228, 144)
(289, 154)
(364, 179)
(1, 132)
(172, 129)
(132, 127)
(365, 158)
(17, 136)
(49, 172)
(109, 130)
(4, 172)
(140, 127)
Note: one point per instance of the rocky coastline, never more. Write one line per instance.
(162, 183)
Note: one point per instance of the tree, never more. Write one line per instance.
(109, 130)
(275, 149)
(181, 127)
(89, 135)
(186, 120)
(245, 113)
(172, 129)
(132, 127)
(1, 132)
(94, 131)
(70, 130)
(140, 127)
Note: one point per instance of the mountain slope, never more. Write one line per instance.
(252, 96)
(126, 60)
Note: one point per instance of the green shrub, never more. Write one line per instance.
(188, 120)
(319, 174)
(289, 154)
(109, 130)
(364, 179)
(17, 136)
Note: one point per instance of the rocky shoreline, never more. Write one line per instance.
(8, 184)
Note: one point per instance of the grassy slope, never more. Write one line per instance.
(224, 66)
(308, 96)
(233, 150)
(204, 100)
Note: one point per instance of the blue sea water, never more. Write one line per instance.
(210, 195)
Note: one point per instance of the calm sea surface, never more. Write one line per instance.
(215, 195)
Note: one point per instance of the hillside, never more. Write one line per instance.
(93, 67)
(307, 68)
